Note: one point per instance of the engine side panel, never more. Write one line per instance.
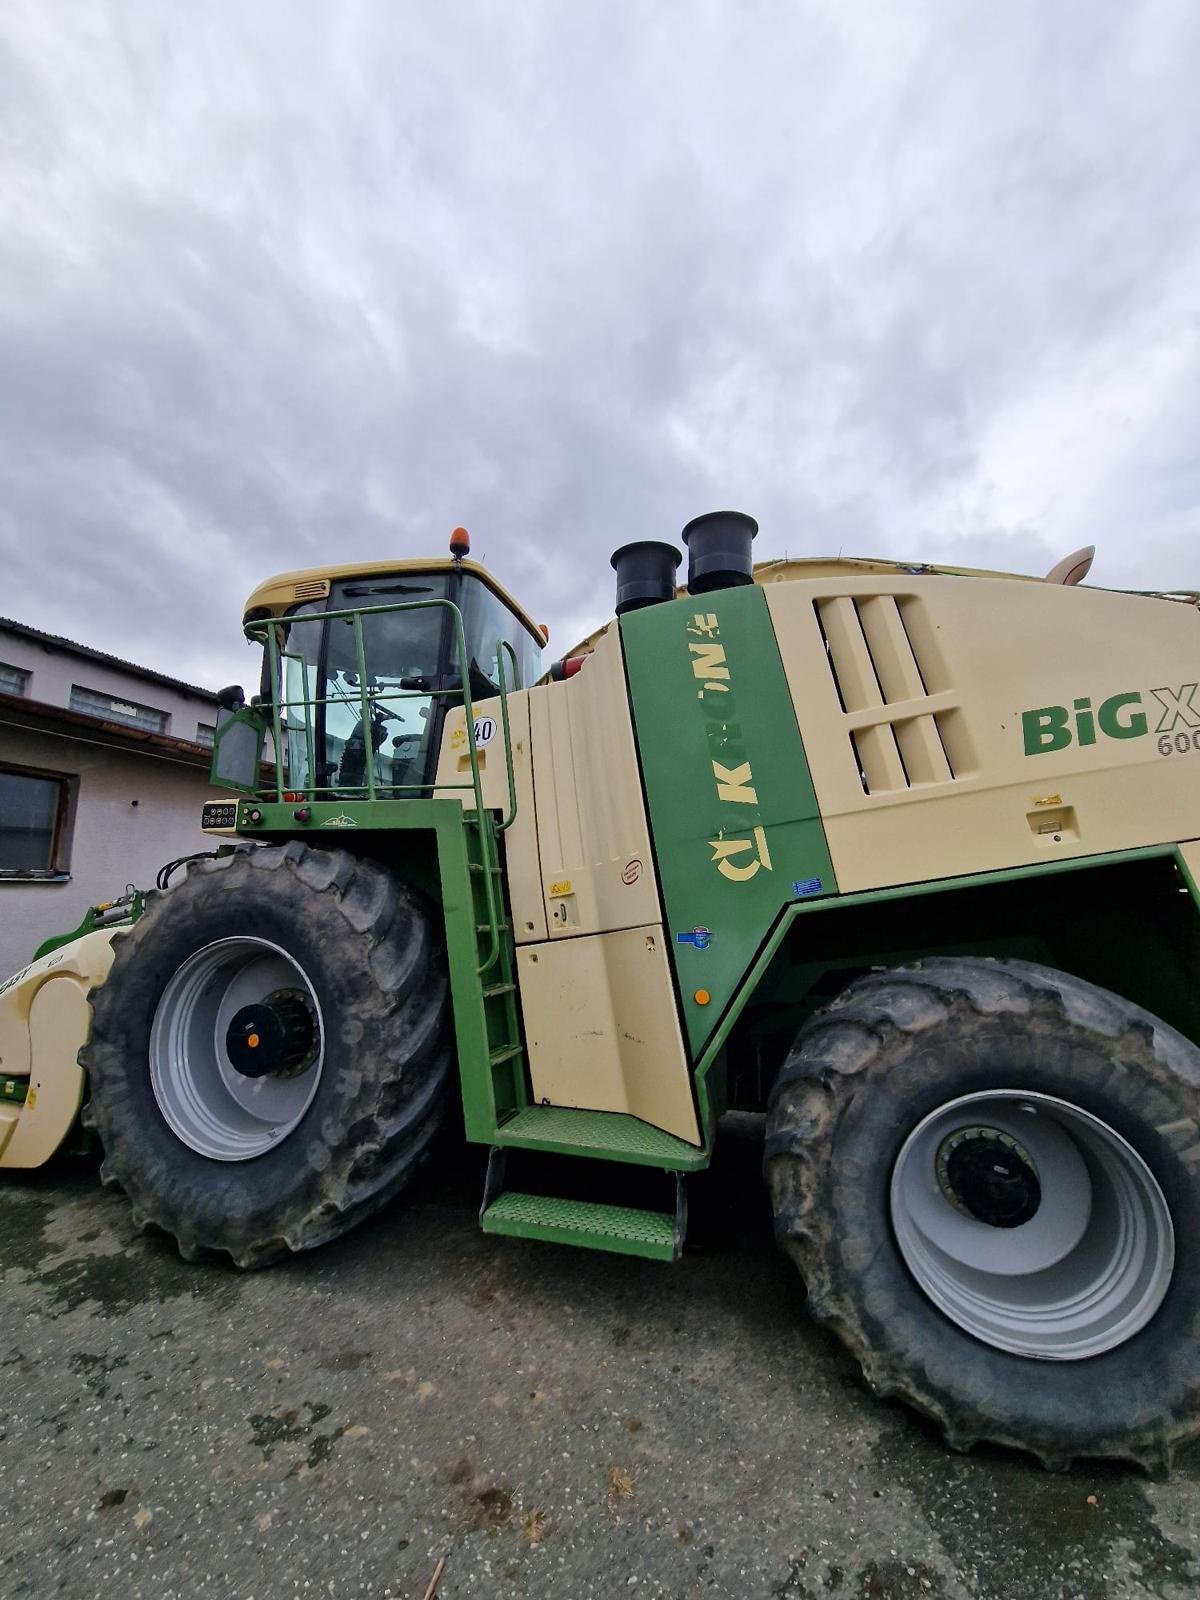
(964, 725)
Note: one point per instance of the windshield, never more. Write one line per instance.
(408, 655)
(487, 624)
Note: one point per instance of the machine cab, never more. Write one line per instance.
(362, 663)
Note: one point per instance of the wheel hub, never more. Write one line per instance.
(986, 1174)
(236, 1048)
(272, 1038)
(1032, 1224)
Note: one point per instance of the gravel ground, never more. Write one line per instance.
(556, 1423)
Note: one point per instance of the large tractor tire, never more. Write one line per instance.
(269, 1055)
(988, 1174)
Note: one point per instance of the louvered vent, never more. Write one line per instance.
(311, 589)
(902, 716)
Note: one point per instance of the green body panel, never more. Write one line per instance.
(116, 914)
(709, 1087)
(735, 823)
(606, 1135)
(620, 1229)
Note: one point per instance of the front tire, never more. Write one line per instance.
(269, 1055)
(918, 1131)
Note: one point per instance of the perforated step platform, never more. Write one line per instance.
(622, 1229)
(610, 1135)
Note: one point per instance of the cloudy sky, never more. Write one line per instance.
(296, 283)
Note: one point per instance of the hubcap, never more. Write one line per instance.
(985, 1174)
(236, 1048)
(273, 1038)
(1032, 1224)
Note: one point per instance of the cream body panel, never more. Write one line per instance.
(44, 1022)
(597, 870)
(1191, 858)
(936, 683)
(520, 841)
(601, 1028)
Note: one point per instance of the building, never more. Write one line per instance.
(103, 771)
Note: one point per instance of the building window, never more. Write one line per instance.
(34, 817)
(13, 680)
(206, 732)
(111, 708)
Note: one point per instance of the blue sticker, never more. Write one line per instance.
(802, 887)
(699, 938)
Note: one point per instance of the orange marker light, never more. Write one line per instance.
(460, 543)
(253, 1041)
(702, 997)
(544, 631)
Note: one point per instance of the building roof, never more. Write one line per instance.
(148, 674)
(19, 712)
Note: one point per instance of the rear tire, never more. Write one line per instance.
(986, 1041)
(361, 1095)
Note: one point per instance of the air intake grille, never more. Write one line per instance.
(311, 589)
(902, 716)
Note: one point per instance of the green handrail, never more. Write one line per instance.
(512, 782)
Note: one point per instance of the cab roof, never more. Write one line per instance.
(280, 593)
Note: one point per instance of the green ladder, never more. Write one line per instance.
(556, 1131)
(495, 965)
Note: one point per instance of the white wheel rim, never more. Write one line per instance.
(207, 1103)
(1079, 1275)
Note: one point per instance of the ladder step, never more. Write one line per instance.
(506, 1054)
(486, 927)
(621, 1229)
(605, 1135)
(478, 866)
(492, 989)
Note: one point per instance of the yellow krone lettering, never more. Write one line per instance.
(725, 849)
(709, 660)
(733, 783)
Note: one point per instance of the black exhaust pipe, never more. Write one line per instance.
(645, 574)
(719, 555)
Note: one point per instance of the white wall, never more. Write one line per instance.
(54, 670)
(114, 840)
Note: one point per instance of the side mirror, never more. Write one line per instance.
(231, 698)
(238, 748)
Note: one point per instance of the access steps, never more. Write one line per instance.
(568, 1137)
(625, 1230)
(613, 1137)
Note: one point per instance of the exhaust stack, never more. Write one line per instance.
(719, 555)
(645, 574)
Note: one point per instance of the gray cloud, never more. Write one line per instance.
(284, 285)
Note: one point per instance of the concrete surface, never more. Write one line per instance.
(556, 1423)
